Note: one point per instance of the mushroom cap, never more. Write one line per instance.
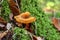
(25, 18)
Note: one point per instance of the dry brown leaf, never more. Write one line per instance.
(56, 24)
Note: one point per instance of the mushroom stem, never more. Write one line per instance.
(28, 28)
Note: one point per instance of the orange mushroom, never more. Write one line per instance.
(25, 18)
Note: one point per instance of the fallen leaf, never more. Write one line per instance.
(56, 24)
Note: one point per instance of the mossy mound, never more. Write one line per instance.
(43, 24)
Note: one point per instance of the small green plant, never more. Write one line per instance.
(20, 34)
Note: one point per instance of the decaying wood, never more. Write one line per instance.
(19, 1)
(14, 7)
(13, 4)
(56, 24)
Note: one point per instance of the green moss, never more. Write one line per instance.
(57, 15)
(5, 10)
(43, 23)
(20, 34)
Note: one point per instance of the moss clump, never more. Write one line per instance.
(20, 34)
(43, 24)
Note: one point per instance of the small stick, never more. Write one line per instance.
(3, 34)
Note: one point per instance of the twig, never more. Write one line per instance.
(3, 34)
